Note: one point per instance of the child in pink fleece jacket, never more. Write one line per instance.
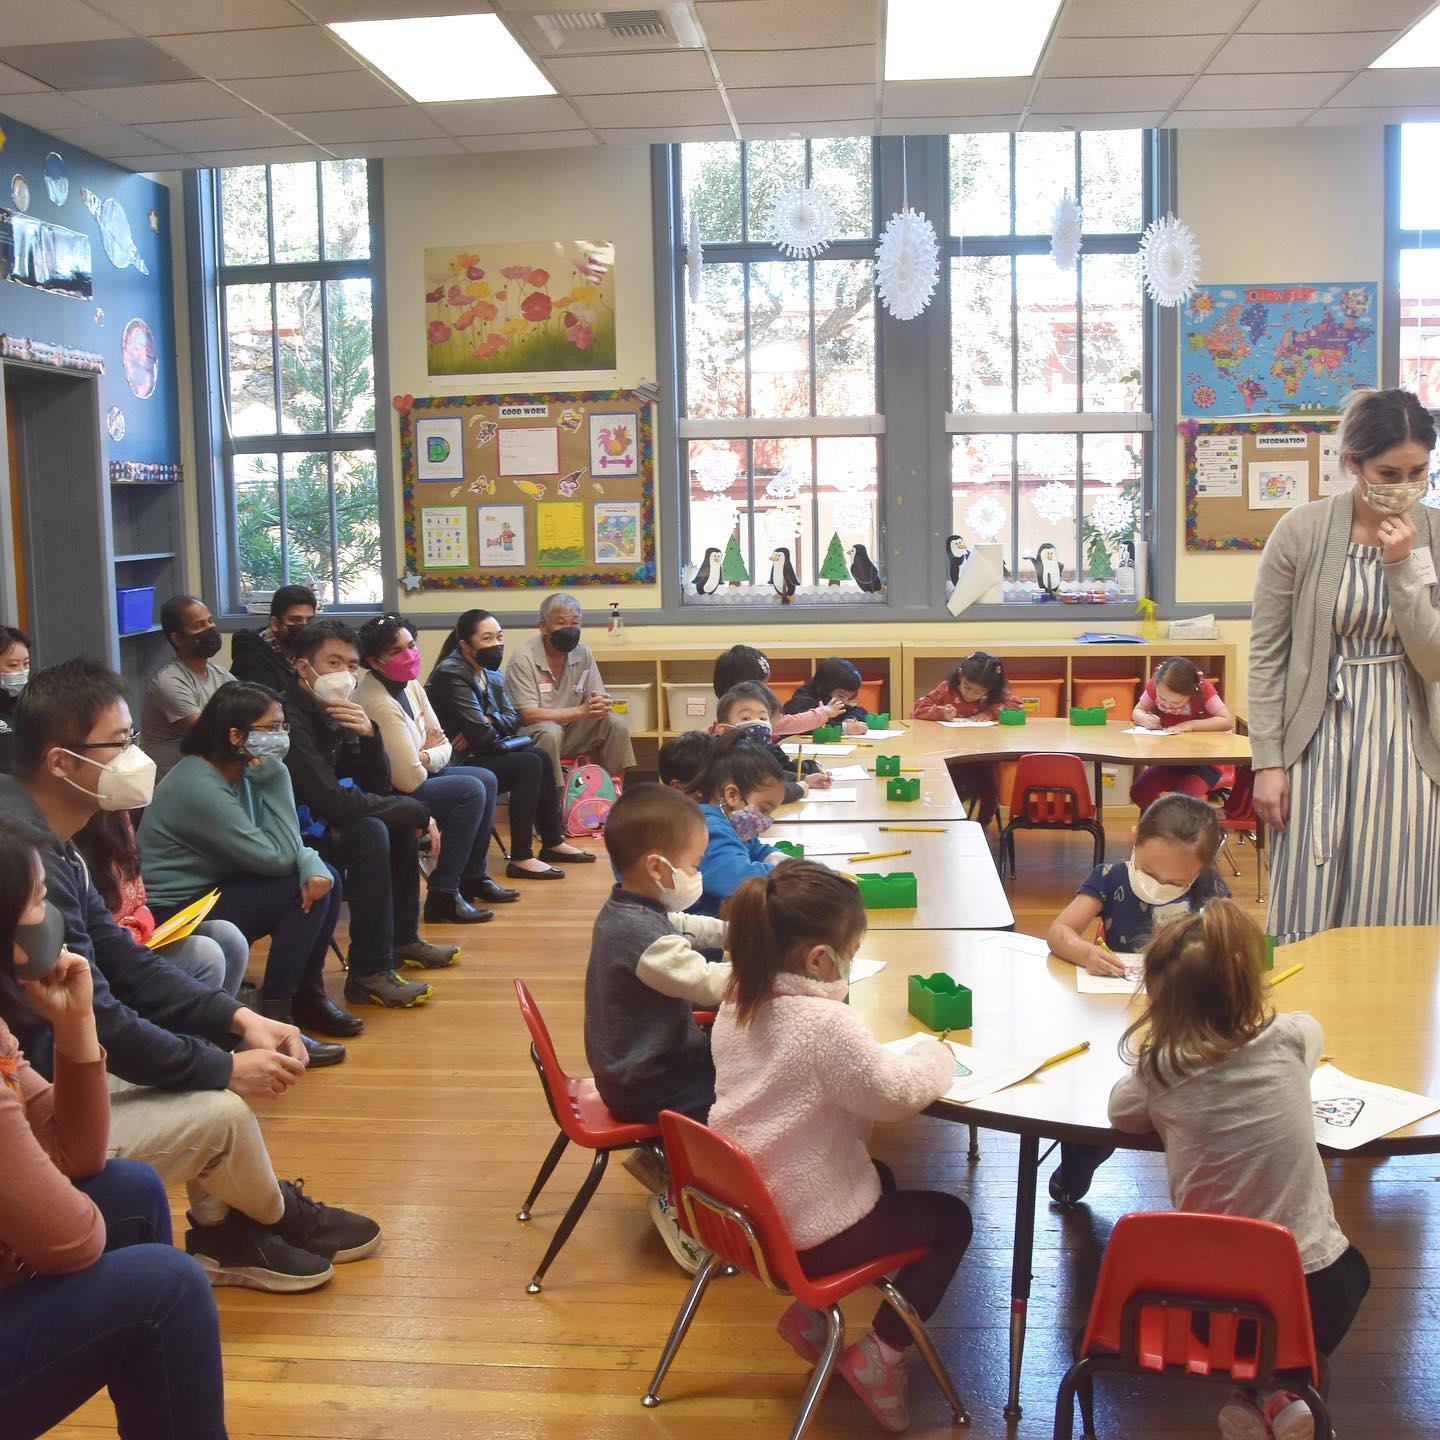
(799, 1081)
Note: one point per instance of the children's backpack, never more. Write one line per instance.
(590, 791)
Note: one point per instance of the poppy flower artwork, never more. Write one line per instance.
(525, 308)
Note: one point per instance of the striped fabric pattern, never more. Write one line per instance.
(1363, 843)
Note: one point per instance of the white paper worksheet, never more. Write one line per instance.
(979, 1073)
(861, 969)
(849, 772)
(882, 734)
(1132, 982)
(827, 841)
(1142, 730)
(830, 797)
(974, 722)
(809, 749)
(1350, 1112)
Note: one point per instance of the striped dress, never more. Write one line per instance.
(1363, 843)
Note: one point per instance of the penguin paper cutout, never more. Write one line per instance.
(1048, 573)
(707, 577)
(863, 570)
(782, 575)
(957, 552)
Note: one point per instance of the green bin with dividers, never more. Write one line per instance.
(792, 848)
(941, 1002)
(887, 764)
(903, 787)
(897, 891)
(825, 734)
(878, 722)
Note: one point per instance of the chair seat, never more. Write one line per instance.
(820, 1292)
(594, 1126)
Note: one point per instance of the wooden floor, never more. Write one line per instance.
(435, 1125)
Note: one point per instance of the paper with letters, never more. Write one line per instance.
(849, 772)
(1423, 563)
(1350, 1112)
(810, 750)
(978, 1073)
(826, 840)
(829, 797)
(1132, 982)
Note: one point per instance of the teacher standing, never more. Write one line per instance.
(1345, 686)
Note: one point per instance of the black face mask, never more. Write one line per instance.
(565, 639)
(489, 656)
(206, 643)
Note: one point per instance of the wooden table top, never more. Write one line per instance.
(956, 882)
(1041, 735)
(938, 802)
(1373, 990)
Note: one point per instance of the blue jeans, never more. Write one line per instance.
(215, 953)
(462, 800)
(382, 884)
(140, 1321)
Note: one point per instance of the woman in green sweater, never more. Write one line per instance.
(225, 817)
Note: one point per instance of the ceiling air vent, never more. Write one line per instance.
(554, 32)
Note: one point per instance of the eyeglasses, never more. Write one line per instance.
(122, 744)
(282, 728)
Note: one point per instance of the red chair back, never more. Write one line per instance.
(1218, 1258)
(1239, 811)
(563, 1092)
(1047, 777)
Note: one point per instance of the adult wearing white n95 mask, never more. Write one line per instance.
(1344, 691)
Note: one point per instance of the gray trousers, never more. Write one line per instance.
(605, 742)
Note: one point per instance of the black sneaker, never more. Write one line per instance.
(421, 955)
(338, 1235)
(241, 1251)
(386, 988)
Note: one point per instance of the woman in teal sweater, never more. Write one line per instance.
(224, 818)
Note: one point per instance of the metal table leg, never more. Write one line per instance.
(1020, 1264)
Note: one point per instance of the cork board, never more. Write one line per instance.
(1242, 476)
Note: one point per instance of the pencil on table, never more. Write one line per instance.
(1285, 974)
(1066, 1054)
(913, 829)
(879, 855)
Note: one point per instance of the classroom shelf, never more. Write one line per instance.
(135, 634)
(147, 555)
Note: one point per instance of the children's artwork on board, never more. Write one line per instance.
(612, 445)
(530, 450)
(617, 532)
(560, 533)
(48, 257)
(438, 449)
(530, 307)
(502, 536)
(1278, 485)
(444, 537)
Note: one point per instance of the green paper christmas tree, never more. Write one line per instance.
(835, 569)
(732, 567)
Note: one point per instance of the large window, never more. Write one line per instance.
(299, 498)
(1417, 233)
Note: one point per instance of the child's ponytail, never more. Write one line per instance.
(982, 668)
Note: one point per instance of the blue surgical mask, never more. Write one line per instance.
(272, 743)
(12, 682)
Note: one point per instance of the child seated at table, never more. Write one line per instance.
(737, 791)
(799, 1081)
(976, 689)
(1179, 700)
(752, 707)
(835, 682)
(745, 662)
(1226, 1083)
(1170, 875)
(683, 757)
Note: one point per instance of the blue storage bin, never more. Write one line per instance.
(135, 608)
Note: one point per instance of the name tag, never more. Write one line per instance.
(546, 684)
(1424, 564)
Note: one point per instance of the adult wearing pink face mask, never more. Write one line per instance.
(1345, 686)
(460, 797)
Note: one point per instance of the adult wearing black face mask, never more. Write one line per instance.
(267, 656)
(178, 691)
(482, 723)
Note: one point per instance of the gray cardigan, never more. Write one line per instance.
(1291, 630)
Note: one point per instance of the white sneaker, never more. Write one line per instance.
(1241, 1418)
(687, 1254)
(1290, 1418)
(647, 1165)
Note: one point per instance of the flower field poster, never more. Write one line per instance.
(532, 307)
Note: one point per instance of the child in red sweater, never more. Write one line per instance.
(1178, 700)
(975, 689)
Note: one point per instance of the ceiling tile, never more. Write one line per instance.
(630, 74)
(181, 17)
(1244, 92)
(96, 64)
(1389, 87)
(304, 94)
(746, 25)
(397, 149)
(1167, 55)
(241, 134)
(815, 129)
(330, 12)
(669, 135)
(1156, 92)
(948, 124)
(665, 108)
(776, 104)
(504, 117)
(1280, 17)
(1375, 115)
(187, 100)
(111, 140)
(268, 155)
(353, 127)
(1274, 54)
(918, 98)
(49, 110)
(1234, 119)
(1095, 120)
(833, 65)
(250, 54)
(536, 140)
(156, 164)
(54, 21)
(1146, 17)
(16, 82)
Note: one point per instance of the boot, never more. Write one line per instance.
(314, 1010)
(321, 1052)
(444, 907)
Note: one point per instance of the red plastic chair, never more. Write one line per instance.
(1160, 1270)
(1238, 817)
(1051, 792)
(722, 1203)
(582, 1117)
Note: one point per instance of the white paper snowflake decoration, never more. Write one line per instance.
(802, 222)
(850, 478)
(785, 485)
(694, 259)
(717, 471)
(782, 524)
(1054, 502)
(985, 518)
(715, 518)
(1170, 261)
(852, 514)
(907, 264)
(1113, 513)
(1065, 233)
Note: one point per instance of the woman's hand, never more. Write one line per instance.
(1272, 796)
(434, 833)
(317, 887)
(1397, 535)
(67, 991)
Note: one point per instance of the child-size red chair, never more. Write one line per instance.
(722, 1203)
(582, 1117)
(1237, 817)
(1163, 1270)
(1051, 792)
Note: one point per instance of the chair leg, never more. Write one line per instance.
(1318, 1408)
(703, 1276)
(1065, 1401)
(820, 1377)
(573, 1214)
(1229, 858)
(973, 1154)
(926, 1346)
(547, 1169)
(1087, 1403)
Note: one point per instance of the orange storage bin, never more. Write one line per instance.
(869, 698)
(1039, 694)
(784, 689)
(1119, 692)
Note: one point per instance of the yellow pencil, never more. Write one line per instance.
(913, 829)
(879, 855)
(1066, 1054)
(1285, 974)
(799, 761)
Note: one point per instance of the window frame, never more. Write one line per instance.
(1398, 239)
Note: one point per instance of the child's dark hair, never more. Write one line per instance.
(985, 669)
(1205, 992)
(740, 662)
(1183, 819)
(799, 904)
(683, 757)
(650, 820)
(735, 760)
(107, 841)
(746, 690)
(20, 843)
(236, 705)
(835, 674)
(1180, 675)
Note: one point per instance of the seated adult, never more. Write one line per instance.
(224, 818)
(263, 656)
(178, 1099)
(474, 710)
(14, 675)
(460, 797)
(179, 689)
(366, 829)
(92, 1293)
(556, 686)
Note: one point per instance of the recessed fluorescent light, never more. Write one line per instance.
(1418, 47)
(447, 57)
(965, 39)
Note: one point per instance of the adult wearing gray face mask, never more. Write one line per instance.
(14, 676)
(179, 690)
(556, 686)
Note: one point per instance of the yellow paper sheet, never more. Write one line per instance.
(183, 922)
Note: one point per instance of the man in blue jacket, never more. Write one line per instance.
(179, 1095)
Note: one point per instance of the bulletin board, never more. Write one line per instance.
(1242, 476)
(515, 491)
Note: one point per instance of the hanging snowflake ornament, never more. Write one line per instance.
(782, 524)
(694, 259)
(985, 518)
(717, 471)
(852, 514)
(1054, 502)
(850, 478)
(785, 485)
(907, 264)
(1065, 233)
(1170, 261)
(802, 222)
(1113, 514)
(715, 517)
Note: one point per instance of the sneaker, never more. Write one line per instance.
(1289, 1417)
(687, 1254)
(386, 988)
(338, 1235)
(241, 1251)
(803, 1330)
(646, 1163)
(421, 955)
(1070, 1183)
(881, 1386)
(1241, 1418)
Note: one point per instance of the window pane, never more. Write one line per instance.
(1114, 332)
(715, 344)
(1419, 164)
(295, 212)
(980, 333)
(841, 168)
(718, 494)
(1112, 470)
(250, 363)
(1045, 163)
(847, 490)
(1046, 316)
(347, 209)
(352, 355)
(980, 490)
(980, 184)
(302, 357)
(710, 183)
(1047, 496)
(242, 215)
(784, 507)
(357, 514)
(257, 521)
(844, 337)
(772, 167)
(307, 519)
(780, 338)
(1420, 323)
(1111, 180)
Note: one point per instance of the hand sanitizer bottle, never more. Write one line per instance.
(617, 623)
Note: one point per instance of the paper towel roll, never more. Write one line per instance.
(979, 580)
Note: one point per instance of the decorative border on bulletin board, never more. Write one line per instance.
(642, 574)
(144, 472)
(1196, 542)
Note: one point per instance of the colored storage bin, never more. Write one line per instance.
(635, 704)
(869, 696)
(690, 704)
(1088, 714)
(784, 689)
(826, 734)
(887, 764)
(135, 608)
(880, 721)
(896, 891)
(941, 1002)
(903, 787)
(1012, 717)
(1038, 694)
(1116, 694)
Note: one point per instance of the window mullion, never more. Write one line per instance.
(275, 353)
(334, 529)
(283, 498)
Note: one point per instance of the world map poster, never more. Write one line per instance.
(1276, 349)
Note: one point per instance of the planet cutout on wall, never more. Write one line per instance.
(140, 359)
(57, 181)
(20, 192)
(115, 422)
